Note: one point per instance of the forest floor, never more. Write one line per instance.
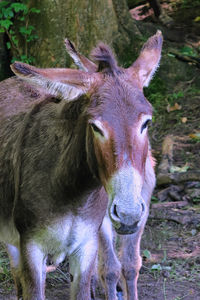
(170, 245)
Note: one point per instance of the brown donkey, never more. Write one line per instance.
(110, 267)
(66, 158)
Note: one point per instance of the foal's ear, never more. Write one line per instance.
(66, 84)
(82, 62)
(148, 61)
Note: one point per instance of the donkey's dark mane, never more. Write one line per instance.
(105, 59)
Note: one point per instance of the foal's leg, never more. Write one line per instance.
(32, 271)
(131, 262)
(14, 256)
(109, 265)
(82, 264)
(131, 259)
(130, 249)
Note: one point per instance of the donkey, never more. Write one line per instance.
(110, 268)
(66, 158)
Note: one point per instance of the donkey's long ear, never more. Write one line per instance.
(66, 84)
(148, 61)
(82, 62)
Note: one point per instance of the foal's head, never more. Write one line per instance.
(117, 122)
(119, 116)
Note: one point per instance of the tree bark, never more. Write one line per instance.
(85, 22)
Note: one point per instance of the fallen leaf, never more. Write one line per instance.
(197, 19)
(156, 267)
(173, 108)
(195, 135)
(174, 169)
(184, 120)
(147, 254)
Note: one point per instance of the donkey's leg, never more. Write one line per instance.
(82, 264)
(131, 263)
(32, 271)
(14, 256)
(109, 265)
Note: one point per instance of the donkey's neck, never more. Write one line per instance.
(73, 174)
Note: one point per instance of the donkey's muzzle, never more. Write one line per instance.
(127, 220)
(124, 229)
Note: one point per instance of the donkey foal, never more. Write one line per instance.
(110, 267)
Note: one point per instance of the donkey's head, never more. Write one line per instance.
(117, 120)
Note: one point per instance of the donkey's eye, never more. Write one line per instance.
(96, 129)
(145, 124)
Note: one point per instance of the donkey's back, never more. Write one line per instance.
(48, 197)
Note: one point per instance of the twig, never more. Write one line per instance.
(186, 58)
(164, 289)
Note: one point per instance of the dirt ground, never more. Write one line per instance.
(172, 272)
(170, 249)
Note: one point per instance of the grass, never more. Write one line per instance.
(6, 280)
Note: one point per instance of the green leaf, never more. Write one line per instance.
(26, 59)
(7, 13)
(34, 10)
(14, 59)
(19, 7)
(15, 40)
(3, 3)
(196, 200)
(8, 44)
(186, 50)
(31, 38)
(23, 30)
(5, 23)
(178, 95)
(146, 253)
(195, 136)
(26, 30)
(197, 19)
(154, 199)
(171, 55)
(156, 267)
(174, 169)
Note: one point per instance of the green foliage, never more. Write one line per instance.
(154, 199)
(22, 32)
(186, 50)
(156, 93)
(5, 274)
(174, 97)
(189, 3)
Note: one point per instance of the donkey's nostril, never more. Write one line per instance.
(114, 214)
(115, 211)
(143, 208)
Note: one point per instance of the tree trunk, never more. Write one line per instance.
(85, 22)
(5, 71)
(128, 40)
